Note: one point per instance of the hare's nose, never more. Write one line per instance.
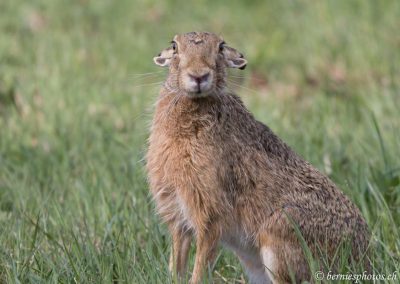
(199, 79)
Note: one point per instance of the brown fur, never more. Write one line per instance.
(218, 174)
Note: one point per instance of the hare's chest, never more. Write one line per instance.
(172, 208)
(182, 162)
(174, 175)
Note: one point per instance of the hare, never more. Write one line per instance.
(221, 176)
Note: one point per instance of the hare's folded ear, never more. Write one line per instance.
(164, 58)
(240, 63)
(234, 58)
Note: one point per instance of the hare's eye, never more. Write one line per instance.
(174, 45)
(221, 46)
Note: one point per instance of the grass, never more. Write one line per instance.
(74, 116)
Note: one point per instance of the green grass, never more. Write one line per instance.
(74, 116)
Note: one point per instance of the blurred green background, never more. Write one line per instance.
(77, 89)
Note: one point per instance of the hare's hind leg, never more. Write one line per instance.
(254, 267)
(269, 262)
(250, 258)
(284, 261)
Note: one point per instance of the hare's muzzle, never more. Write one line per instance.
(197, 82)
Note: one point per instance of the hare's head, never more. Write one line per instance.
(197, 62)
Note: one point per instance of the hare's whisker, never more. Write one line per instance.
(243, 87)
(149, 84)
(146, 74)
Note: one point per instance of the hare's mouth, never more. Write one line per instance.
(196, 84)
(199, 93)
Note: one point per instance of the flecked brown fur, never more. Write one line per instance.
(218, 174)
